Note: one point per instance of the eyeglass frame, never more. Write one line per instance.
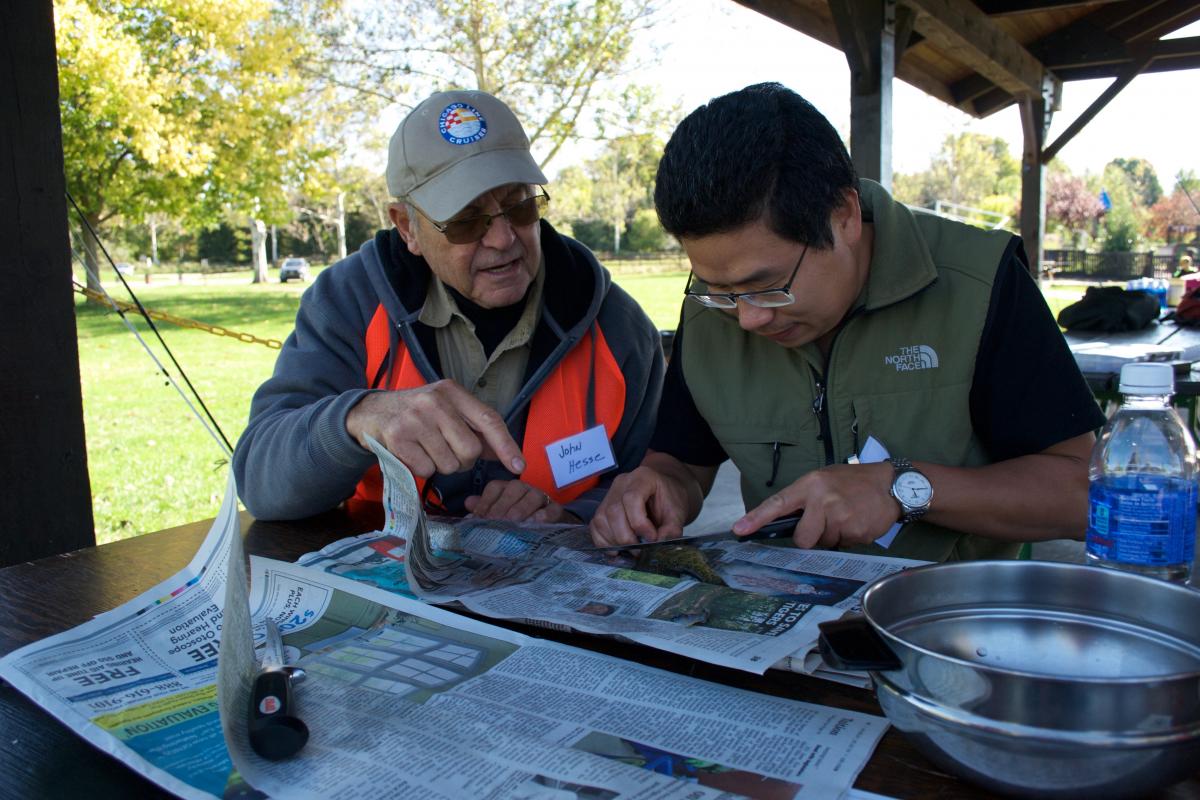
(441, 228)
(707, 298)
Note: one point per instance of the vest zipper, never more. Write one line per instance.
(477, 477)
(854, 432)
(776, 453)
(822, 412)
(820, 407)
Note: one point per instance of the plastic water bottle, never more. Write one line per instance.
(1162, 290)
(1142, 482)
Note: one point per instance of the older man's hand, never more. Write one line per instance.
(641, 506)
(517, 501)
(436, 428)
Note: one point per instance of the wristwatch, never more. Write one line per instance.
(911, 489)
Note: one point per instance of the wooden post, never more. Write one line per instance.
(46, 504)
(1035, 122)
(867, 30)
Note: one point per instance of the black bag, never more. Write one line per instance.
(1110, 309)
(1188, 311)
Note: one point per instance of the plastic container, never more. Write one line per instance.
(1155, 286)
(1142, 482)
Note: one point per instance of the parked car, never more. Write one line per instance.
(293, 268)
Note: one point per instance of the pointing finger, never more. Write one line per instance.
(490, 425)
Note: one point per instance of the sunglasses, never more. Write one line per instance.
(469, 230)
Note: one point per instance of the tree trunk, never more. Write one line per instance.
(154, 241)
(258, 249)
(91, 252)
(340, 223)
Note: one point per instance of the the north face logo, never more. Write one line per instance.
(918, 356)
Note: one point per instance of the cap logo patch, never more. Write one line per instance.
(460, 123)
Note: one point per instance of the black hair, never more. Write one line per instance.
(760, 152)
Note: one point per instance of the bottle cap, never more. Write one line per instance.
(1147, 378)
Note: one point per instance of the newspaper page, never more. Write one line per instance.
(737, 604)
(139, 681)
(396, 686)
(758, 568)
(406, 699)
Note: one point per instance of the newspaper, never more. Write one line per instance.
(406, 699)
(766, 613)
(139, 681)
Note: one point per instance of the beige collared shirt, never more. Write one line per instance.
(494, 380)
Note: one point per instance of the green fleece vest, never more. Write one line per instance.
(900, 369)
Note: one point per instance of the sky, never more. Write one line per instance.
(710, 47)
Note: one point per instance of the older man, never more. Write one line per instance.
(490, 354)
(823, 315)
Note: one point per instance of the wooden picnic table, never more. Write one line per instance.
(41, 757)
(1104, 384)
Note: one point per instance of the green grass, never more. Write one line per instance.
(1059, 296)
(659, 294)
(152, 465)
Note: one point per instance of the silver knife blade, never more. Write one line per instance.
(779, 529)
(273, 657)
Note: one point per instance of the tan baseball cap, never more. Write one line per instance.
(455, 146)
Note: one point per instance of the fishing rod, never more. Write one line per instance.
(115, 306)
(222, 440)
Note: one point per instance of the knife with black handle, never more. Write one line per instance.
(779, 529)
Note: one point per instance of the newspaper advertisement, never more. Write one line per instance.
(139, 681)
(744, 605)
(405, 699)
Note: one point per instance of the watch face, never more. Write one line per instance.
(913, 489)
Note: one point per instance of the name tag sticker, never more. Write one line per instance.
(580, 456)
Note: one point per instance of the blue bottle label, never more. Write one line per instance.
(1148, 520)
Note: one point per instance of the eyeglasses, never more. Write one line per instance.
(763, 298)
(469, 230)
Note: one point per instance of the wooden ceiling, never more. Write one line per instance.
(982, 56)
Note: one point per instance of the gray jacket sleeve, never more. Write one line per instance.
(295, 458)
(637, 346)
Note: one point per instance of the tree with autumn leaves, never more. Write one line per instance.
(1175, 218)
(185, 109)
(251, 111)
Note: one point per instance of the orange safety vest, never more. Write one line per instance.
(557, 409)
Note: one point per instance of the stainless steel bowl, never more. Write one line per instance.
(1043, 679)
(1029, 761)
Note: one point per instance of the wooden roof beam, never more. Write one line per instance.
(1130, 72)
(1060, 59)
(1154, 20)
(1113, 28)
(803, 19)
(996, 8)
(1164, 48)
(966, 34)
(1092, 48)
(1159, 64)
(1166, 59)
(797, 17)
